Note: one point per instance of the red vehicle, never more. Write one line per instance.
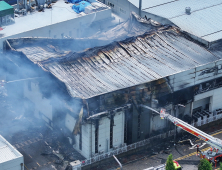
(214, 154)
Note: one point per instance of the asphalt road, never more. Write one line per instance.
(181, 153)
(26, 137)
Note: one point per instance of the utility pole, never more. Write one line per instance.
(140, 7)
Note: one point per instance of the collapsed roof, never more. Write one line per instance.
(136, 60)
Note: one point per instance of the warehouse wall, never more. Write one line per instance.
(70, 122)
(215, 98)
(123, 8)
(13, 164)
(196, 75)
(118, 129)
(88, 135)
(41, 105)
(104, 135)
(86, 141)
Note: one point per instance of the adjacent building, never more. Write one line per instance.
(10, 158)
(58, 20)
(199, 19)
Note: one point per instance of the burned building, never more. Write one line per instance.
(95, 96)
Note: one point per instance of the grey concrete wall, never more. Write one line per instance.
(88, 135)
(123, 8)
(13, 164)
(40, 104)
(193, 76)
(215, 98)
(86, 139)
(118, 129)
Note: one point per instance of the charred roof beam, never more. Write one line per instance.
(116, 110)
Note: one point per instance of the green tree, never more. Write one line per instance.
(169, 163)
(220, 166)
(204, 165)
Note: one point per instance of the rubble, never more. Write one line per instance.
(57, 145)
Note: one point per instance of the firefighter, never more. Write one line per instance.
(198, 150)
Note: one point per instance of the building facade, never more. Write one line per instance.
(11, 159)
(95, 96)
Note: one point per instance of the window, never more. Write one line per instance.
(111, 131)
(96, 136)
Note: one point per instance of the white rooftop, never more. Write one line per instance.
(205, 20)
(7, 151)
(59, 12)
(149, 3)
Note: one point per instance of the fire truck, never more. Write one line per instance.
(214, 154)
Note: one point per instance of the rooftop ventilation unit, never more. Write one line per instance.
(188, 10)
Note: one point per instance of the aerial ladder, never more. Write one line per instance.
(214, 154)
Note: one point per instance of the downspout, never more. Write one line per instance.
(21, 166)
(91, 151)
(140, 7)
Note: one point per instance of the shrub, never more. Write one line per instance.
(169, 163)
(204, 165)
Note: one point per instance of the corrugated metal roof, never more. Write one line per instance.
(7, 151)
(50, 49)
(124, 64)
(204, 21)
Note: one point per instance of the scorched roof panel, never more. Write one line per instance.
(134, 61)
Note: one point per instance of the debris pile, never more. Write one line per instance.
(57, 145)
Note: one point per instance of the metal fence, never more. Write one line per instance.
(117, 151)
